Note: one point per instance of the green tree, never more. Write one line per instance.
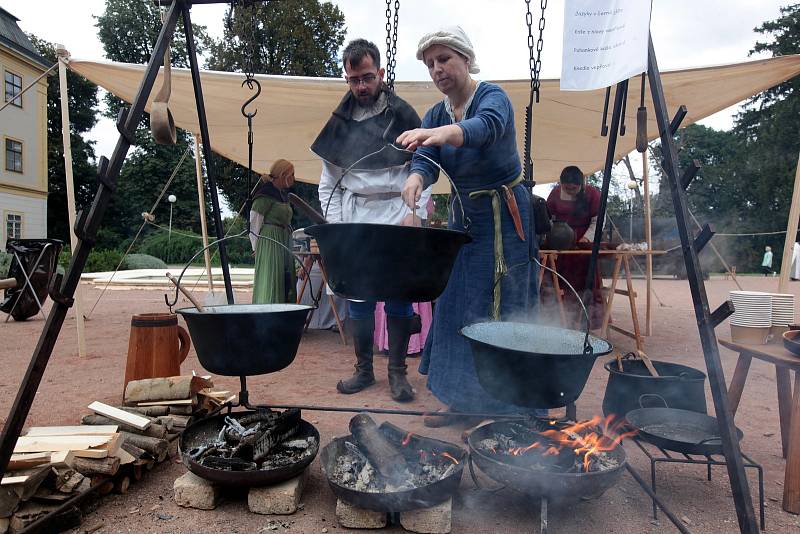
(82, 114)
(128, 31)
(291, 37)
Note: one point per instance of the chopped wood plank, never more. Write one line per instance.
(90, 453)
(183, 402)
(58, 443)
(10, 481)
(62, 458)
(28, 460)
(122, 416)
(77, 430)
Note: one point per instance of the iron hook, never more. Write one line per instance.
(250, 82)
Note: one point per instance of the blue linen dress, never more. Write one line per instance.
(487, 160)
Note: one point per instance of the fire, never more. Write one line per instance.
(585, 439)
(407, 439)
(448, 456)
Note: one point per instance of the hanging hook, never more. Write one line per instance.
(250, 82)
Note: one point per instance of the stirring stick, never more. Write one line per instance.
(647, 363)
(186, 293)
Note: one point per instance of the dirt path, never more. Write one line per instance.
(71, 383)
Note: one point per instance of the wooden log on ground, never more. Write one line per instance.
(9, 500)
(164, 389)
(121, 485)
(133, 450)
(136, 471)
(91, 466)
(181, 410)
(154, 446)
(155, 430)
(387, 460)
(105, 483)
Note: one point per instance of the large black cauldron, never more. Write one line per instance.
(532, 365)
(382, 262)
(246, 339)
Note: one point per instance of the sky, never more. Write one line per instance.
(686, 33)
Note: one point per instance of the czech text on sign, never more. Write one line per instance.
(605, 42)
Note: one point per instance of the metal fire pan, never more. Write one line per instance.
(207, 430)
(398, 501)
(532, 365)
(557, 487)
(387, 262)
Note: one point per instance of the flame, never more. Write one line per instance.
(585, 439)
(448, 456)
(407, 439)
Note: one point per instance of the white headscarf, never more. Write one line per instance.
(452, 37)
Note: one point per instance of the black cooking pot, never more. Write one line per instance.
(556, 486)
(206, 430)
(396, 501)
(379, 262)
(682, 387)
(246, 339)
(532, 365)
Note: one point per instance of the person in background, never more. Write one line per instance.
(471, 135)
(577, 203)
(271, 216)
(766, 261)
(369, 115)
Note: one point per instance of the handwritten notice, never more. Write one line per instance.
(605, 42)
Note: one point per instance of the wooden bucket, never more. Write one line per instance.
(157, 346)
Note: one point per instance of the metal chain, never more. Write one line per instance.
(249, 67)
(535, 63)
(391, 40)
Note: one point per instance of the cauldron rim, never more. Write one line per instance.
(520, 352)
(244, 309)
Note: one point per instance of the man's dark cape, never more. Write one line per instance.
(343, 141)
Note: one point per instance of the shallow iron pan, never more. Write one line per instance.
(397, 501)
(677, 430)
(379, 262)
(556, 486)
(207, 429)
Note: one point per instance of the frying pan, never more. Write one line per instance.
(677, 430)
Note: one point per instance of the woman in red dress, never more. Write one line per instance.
(577, 203)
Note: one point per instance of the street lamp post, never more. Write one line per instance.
(171, 199)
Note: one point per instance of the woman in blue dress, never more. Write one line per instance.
(471, 135)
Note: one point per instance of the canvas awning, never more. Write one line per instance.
(292, 110)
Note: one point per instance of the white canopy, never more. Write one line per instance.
(566, 131)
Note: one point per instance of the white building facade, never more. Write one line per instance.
(23, 136)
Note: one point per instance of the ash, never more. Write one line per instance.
(354, 471)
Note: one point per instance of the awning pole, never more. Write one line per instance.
(63, 54)
(648, 235)
(201, 198)
(791, 233)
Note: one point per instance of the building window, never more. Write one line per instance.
(13, 155)
(13, 226)
(13, 84)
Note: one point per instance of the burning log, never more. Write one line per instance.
(387, 459)
(285, 426)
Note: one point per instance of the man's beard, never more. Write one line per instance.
(367, 101)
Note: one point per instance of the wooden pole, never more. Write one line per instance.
(791, 233)
(63, 54)
(201, 198)
(648, 235)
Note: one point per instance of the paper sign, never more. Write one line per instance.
(605, 42)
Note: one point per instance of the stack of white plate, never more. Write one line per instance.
(753, 309)
(782, 309)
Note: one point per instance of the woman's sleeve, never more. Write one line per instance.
(256, 222)
(421, 165)
(493, 115)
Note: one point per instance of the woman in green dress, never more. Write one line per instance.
(270, 216)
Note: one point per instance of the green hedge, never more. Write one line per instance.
(5, 263)
(143, 261)
(179, 248)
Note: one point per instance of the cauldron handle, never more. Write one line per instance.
(240, 235)
(662, 399)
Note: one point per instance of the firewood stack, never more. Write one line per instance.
(113, 447)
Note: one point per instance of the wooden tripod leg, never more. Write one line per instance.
(557, 289)
(632, 300)
(611, 291)
(308, 263)
(332, 302)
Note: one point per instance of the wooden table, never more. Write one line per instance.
(788, 407)
(621, 262)
(309, 258)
